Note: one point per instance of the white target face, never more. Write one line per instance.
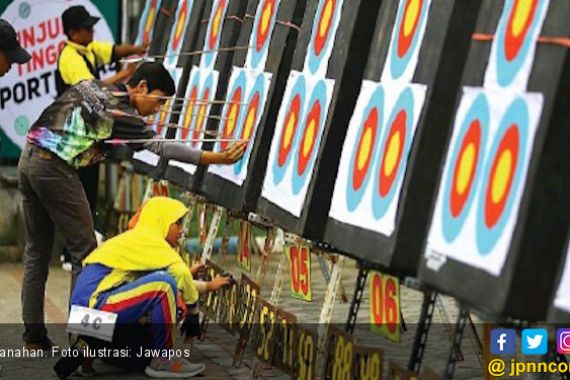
(296, 141)
(375, 155)
(484, 177)
(562, 299)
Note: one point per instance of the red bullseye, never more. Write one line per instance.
(264, 25)
(179, 27)
(232, 116)
(189, 115)
(250, 117)
(393, 150)
(216, 24)
(324, 26)
(409, 25)
(201, 117)
(520, 20)
(501, 176)
(309, 137)
(465, 168)
(365, 149)
(289, 129)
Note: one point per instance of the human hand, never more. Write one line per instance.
(142, 49)
(218, 282)
(198, 269)
(233, 153)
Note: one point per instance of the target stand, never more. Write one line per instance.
(207, 78)
(259, 77)
(384, 185)
(498, 227)
(327, 68)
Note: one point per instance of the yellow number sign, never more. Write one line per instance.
(300, 269)
(385, 305)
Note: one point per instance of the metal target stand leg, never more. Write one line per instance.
(422, 331)
(453, 357)
(356, 300)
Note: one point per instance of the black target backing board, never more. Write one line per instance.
(230, 31)
(526, 279)
(441, 61)
(558, 312)
(280, 53)
(346, 67)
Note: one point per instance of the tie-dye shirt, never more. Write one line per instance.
(75, 125)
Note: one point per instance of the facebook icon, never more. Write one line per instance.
(503, 341)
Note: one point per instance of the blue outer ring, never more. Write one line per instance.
(257, 56)
(258, 86)
(354, 197)
(299, 88)
(479, 109)
(398, 65)
(518, 114)
(209, 58)
(319, 94)
(405, 102)
(315, 62)
(507, 71)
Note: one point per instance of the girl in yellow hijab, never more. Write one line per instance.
(138, 274)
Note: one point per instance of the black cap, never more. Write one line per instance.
(77, 17)
(9, 44)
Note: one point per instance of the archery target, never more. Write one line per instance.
(206, 83)
(177, 33)
(295, 144)
(484, 174)
(375, 155)
(214, 33)
(147, 20)
(407, 36)
(512, 53)
(261, 34)
(562, 298)
(325, 25)
(254, 99)
(161, 119)
(190, 107)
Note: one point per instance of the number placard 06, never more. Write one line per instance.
(385, 305)
(300, 268)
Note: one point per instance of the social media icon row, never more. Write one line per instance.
(533, 341)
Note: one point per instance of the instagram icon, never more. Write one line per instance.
(563, 341)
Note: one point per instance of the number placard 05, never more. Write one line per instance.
(244, 249)
(340, 355)
(385, 305)
(300, 268)
(367, 363)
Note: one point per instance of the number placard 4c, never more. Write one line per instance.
(385, 305)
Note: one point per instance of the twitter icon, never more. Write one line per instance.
(534, 341)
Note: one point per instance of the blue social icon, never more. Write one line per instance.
(534, 341)
(503, 341)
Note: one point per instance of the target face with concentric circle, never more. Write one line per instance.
(261, 35)
(177, 34)
(232, 113)
(394, 150)
(191, 106)
(502, 175)
(208, 92)
(365, 150)
(294, 111)
(407, 36)
(323, 35)
(214, 32)
(513, 48)
(310, 136)
(146, 23)
(466, 162)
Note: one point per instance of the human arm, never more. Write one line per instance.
(184, 153)
(122, 51)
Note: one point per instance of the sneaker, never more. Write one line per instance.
(179, 368)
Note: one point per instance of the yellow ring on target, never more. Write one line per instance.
(466, 167)
(232, 119)
(412, 14)
(216, 23)
(180, 26)
(364, 153)
(392, 154)
(501, 176)
(249, 121)
(521, 14)
(149, 19)
(310, 138)
(289, 130)
(326, 19)
(266, 18)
